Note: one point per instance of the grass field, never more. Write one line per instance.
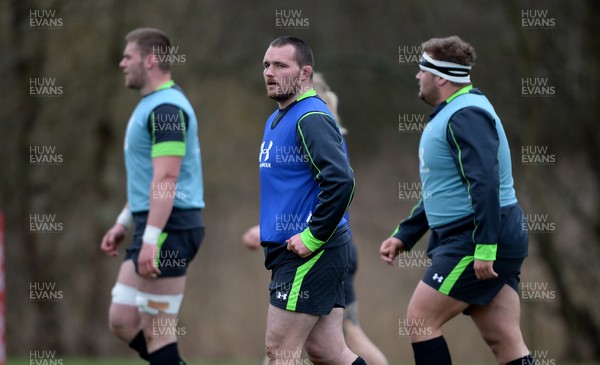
(109, 361)
(78, 361)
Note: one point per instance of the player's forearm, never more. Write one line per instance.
(411, 229)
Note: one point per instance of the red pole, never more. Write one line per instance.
(2, 299)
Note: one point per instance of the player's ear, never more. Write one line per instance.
(151, 61)
(441, 81)
(306, 72)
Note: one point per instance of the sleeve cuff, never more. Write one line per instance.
(396, 231)
(408, 243)
(486, 252)
(310, 241)
(171, 148)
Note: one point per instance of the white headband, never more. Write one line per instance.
(447, 70)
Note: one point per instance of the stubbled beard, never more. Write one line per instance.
(282, 97)
(429, 99)
(136, 81)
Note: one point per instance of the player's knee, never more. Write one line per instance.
(501, 337)
(123, 313)
(281, 353)
(416, 318)
(272, 347)
(319, 352)
(270, 352)
(492, 340)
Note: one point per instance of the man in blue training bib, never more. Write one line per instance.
(478, 240)
(164, 199)
(306, 186)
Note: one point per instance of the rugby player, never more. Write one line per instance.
(478, 241)
(164, 203)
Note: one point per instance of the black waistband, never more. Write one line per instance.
(179, 219)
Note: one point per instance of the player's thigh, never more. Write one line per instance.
(327, 336)
(500, 318)
(127, 275)
(351, 313)
(498, 323)
(287, 330)
(163, 285)
(431, 308)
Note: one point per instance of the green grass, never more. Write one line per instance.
(109, 361)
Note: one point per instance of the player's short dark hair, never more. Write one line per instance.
(450, 49)
(304, 54)
(148, 41)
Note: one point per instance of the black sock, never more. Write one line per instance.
(527, 360)
(432, 352)
(167, 355)
(139, 344)
(359, 361)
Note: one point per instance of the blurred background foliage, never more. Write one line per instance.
(357, 45)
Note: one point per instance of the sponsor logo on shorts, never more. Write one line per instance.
(283, 290)
(437, 277)
(281, 295)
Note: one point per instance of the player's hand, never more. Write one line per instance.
(147, 261)
(251, 239)
(112, 238)
(296, 245)
(390, 248)
(484, 270)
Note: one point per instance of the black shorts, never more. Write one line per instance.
(452, 274)
(178, 249)
(312, 285)
(349, 293)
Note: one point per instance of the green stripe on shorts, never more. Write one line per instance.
(301, 272)
(452, 278)
(161, 240)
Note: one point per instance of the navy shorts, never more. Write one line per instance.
(349, 293)
(453, 274)
(312, 285)
(177, 248)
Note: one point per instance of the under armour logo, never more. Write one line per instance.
(438, 277)
(281, 295)
(264, 151)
